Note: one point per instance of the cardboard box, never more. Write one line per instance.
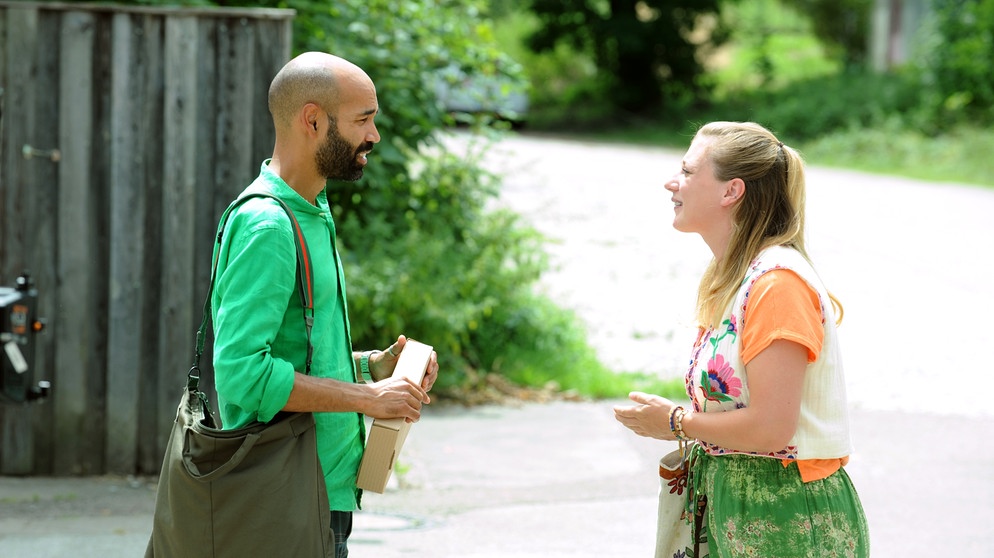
(386, 437)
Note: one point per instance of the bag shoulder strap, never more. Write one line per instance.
(305, 284)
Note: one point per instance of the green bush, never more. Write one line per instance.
(810, 108)
(955, 58)
(425, 255)
(961, 154)
(424, 252)
(446, 271)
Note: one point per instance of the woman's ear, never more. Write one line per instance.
(734, 191)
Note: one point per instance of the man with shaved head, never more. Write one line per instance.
(323, 109)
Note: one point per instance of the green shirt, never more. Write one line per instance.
(259, 335)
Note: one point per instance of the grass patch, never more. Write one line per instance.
(566, 362)
(670, 388)
(962, 155)
(597, 382)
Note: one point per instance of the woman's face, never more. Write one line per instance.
(697, 194)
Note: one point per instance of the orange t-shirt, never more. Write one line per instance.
(781, 305)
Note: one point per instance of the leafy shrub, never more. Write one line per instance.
(960, 154)
(447, 271)
(955, 59)
(810, 108)
(425, 253)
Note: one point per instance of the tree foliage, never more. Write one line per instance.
(956, 62)
(645, 50)
(842, 25)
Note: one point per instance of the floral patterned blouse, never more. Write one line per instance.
(716, 380)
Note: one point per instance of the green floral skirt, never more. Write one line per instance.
(758, 507)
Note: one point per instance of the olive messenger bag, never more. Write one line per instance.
(253, 491)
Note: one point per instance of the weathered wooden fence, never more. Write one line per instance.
(159, 117)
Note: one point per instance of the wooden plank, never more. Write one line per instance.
(5, 145)
(205, 212)
(43, 229)
(179, 194)
(102, 150)
(127, 209)
(22, 25)
(3, 80)
(75, 331)
(151, 68)
(16, 448)
(8, 135)
(237, 164)
(148, 64)
(272, 51)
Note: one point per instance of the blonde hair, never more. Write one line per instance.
(770, 213)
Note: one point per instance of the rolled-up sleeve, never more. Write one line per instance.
(255, 279)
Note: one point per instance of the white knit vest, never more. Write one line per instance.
(717, 380)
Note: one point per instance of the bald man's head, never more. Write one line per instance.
(312, 77)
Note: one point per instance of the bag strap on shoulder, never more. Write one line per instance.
(305, 284)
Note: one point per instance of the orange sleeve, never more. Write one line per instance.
(781, 305)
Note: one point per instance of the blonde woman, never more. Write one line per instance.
(768, 403)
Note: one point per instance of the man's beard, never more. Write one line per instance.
(339, 160)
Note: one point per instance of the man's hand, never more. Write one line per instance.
(383, 363)
(395, 398)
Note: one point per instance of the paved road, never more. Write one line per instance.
(551, 480)
(911, 261)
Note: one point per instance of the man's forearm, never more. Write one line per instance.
(323, 395)
(399, 398)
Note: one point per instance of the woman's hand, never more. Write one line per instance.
(649, 418)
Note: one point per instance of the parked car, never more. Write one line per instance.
(497, 95)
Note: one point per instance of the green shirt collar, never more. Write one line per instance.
(271, 182)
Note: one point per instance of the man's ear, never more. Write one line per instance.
(734, 191)
(309, 117)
